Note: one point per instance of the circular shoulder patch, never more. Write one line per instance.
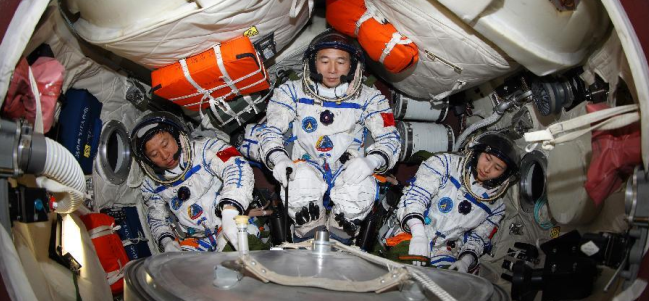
(309, 124)
(445, 205)
(176, 203)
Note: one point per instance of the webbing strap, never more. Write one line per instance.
(188, 76)
(38, 121)
(611, 118)
(396, 39)
(115, 276)
(228, 82)
(226, 77)
(251, 103)
(102, 231)
(366, 16)
(296, 7)
(219, 104)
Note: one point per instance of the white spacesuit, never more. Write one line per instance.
(459, 213)
(330, 125)
(210, 175)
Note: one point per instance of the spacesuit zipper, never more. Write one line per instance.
(434, 57)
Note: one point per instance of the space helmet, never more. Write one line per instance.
(146, 128)
(336, 40)
(501, 147)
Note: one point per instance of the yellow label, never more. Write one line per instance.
(86, 151)
(554, 232)
(251, 32)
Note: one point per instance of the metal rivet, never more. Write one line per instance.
(253, 263)
(394, 276)
(263, 271)
(382, 281)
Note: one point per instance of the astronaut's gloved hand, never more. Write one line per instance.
(419, 243)
(462, 264)
(229, 226)
(348, 226)
(281, 163)
(307, 214)
(359, 168)
(170, 245)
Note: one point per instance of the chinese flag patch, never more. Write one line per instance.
(493, 232)
(388, 119)
(228, 153)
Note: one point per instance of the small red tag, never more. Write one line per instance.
(388, 119)
(493, 232)
(228, 153)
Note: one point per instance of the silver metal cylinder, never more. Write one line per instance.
(426, 136)
(321, 244)
(407, 108)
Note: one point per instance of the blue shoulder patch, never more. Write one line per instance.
(309, 124)
(445, 205)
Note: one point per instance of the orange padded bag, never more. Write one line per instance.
(109, 248)
(226, 70)
(383, 43)
(342, 15)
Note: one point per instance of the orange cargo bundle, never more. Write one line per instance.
(385, 44)
(228, 69)
(382, 42)
(342, 15)
(109, 248)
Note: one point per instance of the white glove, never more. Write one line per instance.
(229, 226)
(359, 168)
(419, 243)
(462, 264)
(170, 245)
(282, 163)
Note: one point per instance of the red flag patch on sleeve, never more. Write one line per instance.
(228, 153)
(493, 232)
(388, 119)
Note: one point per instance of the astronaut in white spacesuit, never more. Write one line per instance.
(204, 182)
(453, 207)
(330, 112)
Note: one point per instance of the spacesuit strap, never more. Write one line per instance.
(386, 160)
(162, 237)
(471, 198)
(330, 104)
(267, 160)
(475, 258)
(231, 202)
(187, 175)
(404, 221)
(455, 182)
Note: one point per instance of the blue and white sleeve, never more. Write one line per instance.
(378, 119)
(430, 177)
(225, 162)
(157, 213)
(280, 113)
